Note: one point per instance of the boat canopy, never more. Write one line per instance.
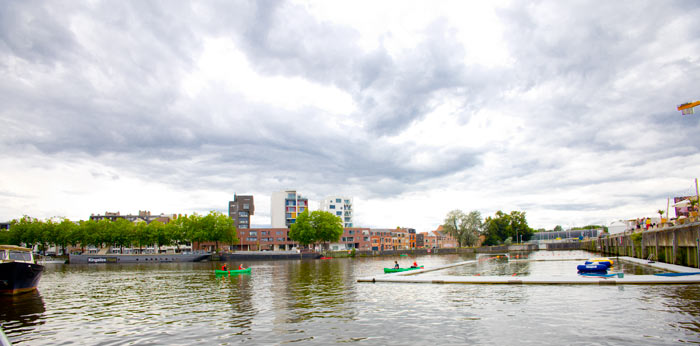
(14, 248)
(15, 253)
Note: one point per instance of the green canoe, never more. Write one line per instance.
(392, 270)
(231, 272)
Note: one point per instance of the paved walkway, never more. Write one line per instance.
(660, 265)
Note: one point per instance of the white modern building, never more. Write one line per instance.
(285, 206)
(340, 206)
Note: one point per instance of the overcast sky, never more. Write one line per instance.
(564, 109)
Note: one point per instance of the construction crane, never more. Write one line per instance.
(687, 108)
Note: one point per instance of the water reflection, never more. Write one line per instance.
(238, 292)
(318, 289)
(320, 302)
(21, 313)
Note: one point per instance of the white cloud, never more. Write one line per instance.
(565, 111)
(222, 64)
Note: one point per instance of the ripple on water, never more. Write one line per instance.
(320, 302)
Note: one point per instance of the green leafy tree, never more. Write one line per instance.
(158, 234)
(85, 235)
(317, 226)
(195, 230)
(503, 226)
(328, 227)
(66, 229)
(49, 234)
(557, 228)
(218, 228)
(302, 230)
(120, 233)
(31, 231)
(19, 228)
(142, 236)
(465, 228)
(176, 231)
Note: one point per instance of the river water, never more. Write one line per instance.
(321, 302)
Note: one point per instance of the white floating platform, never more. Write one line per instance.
(411, 277)
(537, 280)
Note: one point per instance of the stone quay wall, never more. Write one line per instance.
(674, 245)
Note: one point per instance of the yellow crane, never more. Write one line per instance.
(687, 108)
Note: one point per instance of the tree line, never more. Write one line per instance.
(502, 228)
(213, 227)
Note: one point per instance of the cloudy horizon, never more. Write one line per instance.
(566, 111)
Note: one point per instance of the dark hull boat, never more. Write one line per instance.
(18, 272)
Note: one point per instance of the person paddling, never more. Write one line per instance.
(223, 267)
(396, 264)
(240, 267)
(415, 264)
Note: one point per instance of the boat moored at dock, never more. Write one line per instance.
(18, 272)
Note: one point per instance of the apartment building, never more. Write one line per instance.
(353, 238)
(381, 239)
(437, 239)
(241, 209)
(340, 206)
(411, 238)
(256, 239)
(285, 206)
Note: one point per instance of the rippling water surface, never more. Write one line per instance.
(320, 302)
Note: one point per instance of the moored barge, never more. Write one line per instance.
(140, 258)
(18, 272)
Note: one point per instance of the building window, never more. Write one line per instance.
(351, 232)
(242, 226)
(338, 213)
(252, 239)
(280, 232)
(243, 213)
(332, 206)
(337, 200)
(255, 233)
(246, 206)
(350, 239)
(280, 239)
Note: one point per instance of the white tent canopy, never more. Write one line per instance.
(683, 203)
